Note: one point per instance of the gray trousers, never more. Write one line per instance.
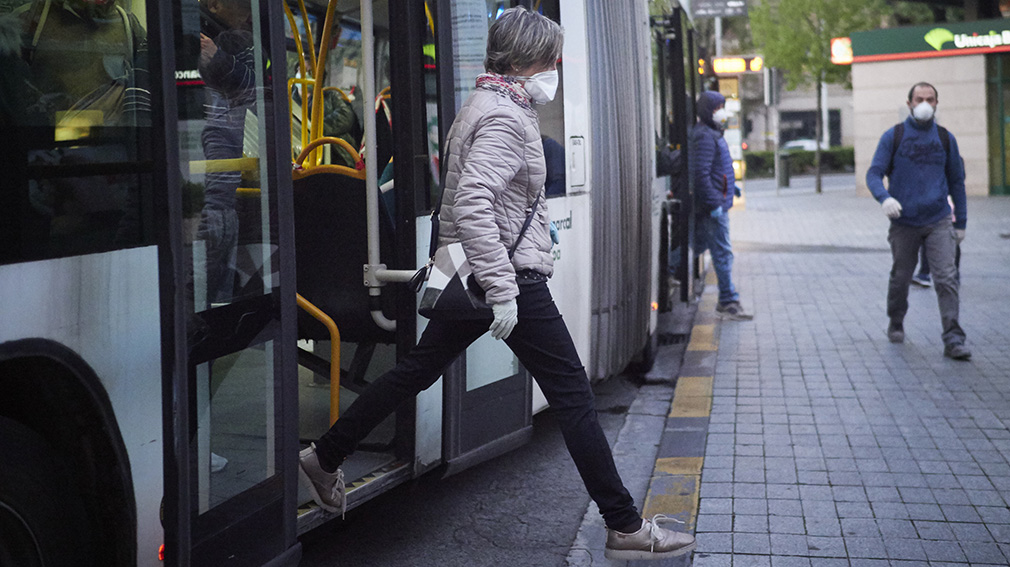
(938, 242)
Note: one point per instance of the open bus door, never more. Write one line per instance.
(676, 78)
(231, 468)
(403, 61)
(487, 394)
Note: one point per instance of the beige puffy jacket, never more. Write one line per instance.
(494, 173)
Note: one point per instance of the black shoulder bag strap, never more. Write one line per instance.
(899, 133)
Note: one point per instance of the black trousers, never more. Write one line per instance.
(544, 346)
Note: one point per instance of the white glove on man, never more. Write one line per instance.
(960, 235)
(892, 208)
(505, 317)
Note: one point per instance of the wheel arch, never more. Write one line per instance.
(51, 389)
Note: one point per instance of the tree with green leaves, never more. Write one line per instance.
(795, 36)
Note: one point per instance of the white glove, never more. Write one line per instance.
(505, 317)
(892, 208)
(960, 235)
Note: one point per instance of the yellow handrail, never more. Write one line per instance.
(431, 21)
(302, 81)
(197, 167)
(350, 172)
(318, 75)
(308, 34)
(331, 327)
(343, 95)
(328, 168)
(304, 126)
(298, 39)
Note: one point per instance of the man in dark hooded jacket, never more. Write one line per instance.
(711, 167)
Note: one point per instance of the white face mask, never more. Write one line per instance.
(923, 111)
(720, 116)
(542, 86)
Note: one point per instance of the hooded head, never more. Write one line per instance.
(708, 101)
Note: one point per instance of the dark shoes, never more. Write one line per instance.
(922, 280)
(733, 311)
(957, 352)
(649, 542)
(896, 332)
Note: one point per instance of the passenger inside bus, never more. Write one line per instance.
(75, 91)
(227, 67)
(554, 155)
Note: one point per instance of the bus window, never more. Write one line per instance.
(473, 18)
(230, 235)
(75, 112)
(552, 118)
(221, 97)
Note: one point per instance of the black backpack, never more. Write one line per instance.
(899, 133)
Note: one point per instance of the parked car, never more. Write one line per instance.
(805, 144)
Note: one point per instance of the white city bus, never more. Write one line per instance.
(157, 375)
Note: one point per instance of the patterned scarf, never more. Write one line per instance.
(505, 85)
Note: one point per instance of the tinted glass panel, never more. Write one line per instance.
(75, 116)
(226, 201)
(230, 237)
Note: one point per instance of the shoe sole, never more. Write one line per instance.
(633, 554)
(304, 477)
(922, 284)
(731, 317)
(896, 339)
(962, 357)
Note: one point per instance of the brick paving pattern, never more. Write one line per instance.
(827, 445)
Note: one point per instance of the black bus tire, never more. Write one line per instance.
(42, 515)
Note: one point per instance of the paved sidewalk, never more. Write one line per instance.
(827, 445)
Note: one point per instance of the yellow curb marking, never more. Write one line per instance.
(683, 497)
(693, 397)
(703, 338)
(679, 465)
(707, 303)
(692, 407)
(693, 386)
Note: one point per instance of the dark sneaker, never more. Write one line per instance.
(733, 311)
(327, 489)
(957, 352)
(649, 542)
(922, 280)
(896, 333)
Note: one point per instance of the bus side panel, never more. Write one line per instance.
(572, 282)
(573, 265)
(660, 188)
(428, 414)
(105, 307)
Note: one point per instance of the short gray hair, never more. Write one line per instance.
(520, 39)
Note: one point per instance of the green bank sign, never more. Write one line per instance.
(939, 40)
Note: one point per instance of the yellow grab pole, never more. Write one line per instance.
(334, 354)
(318, 74)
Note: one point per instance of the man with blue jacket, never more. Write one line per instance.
(923, 166)
(711, 167)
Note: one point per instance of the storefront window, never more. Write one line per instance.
(998, 102)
